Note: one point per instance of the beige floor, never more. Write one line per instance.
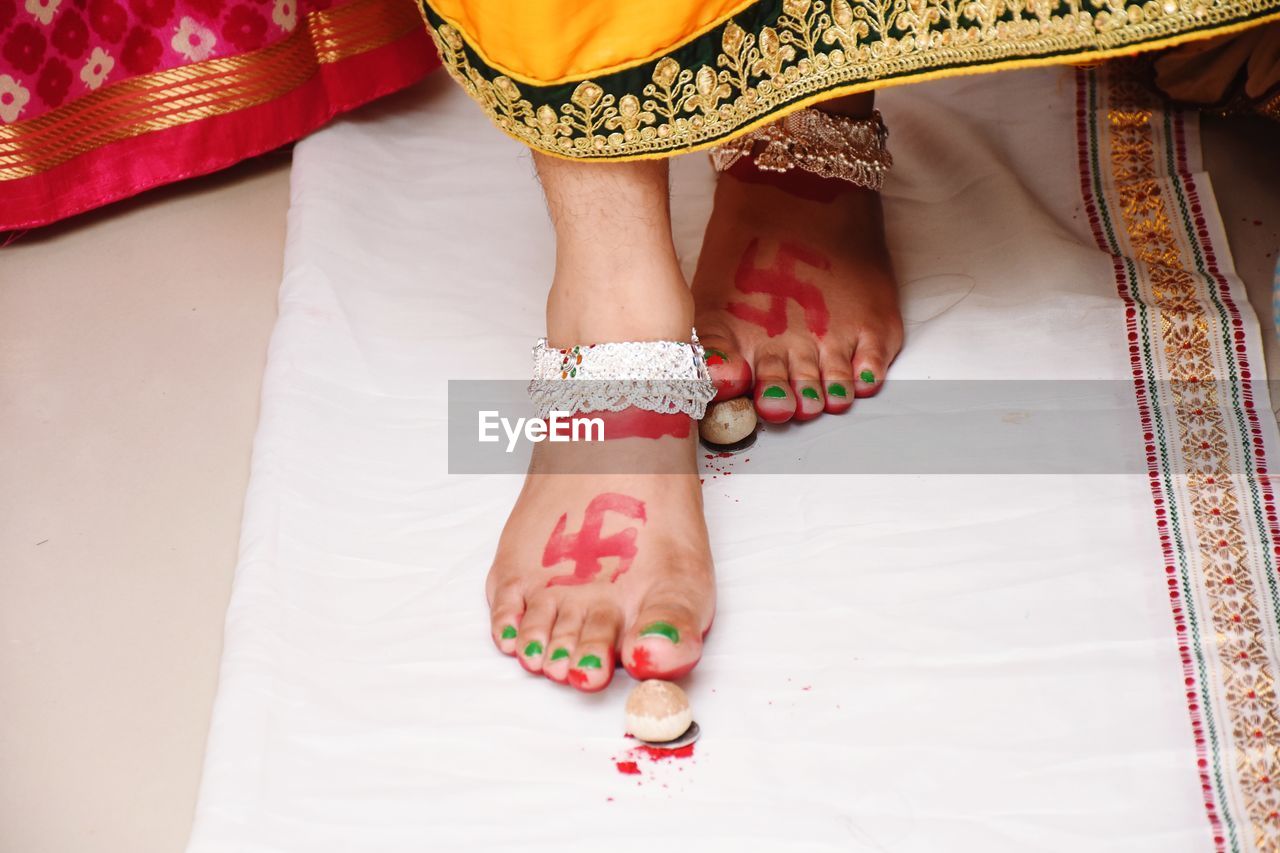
(131, 354)
(131, 350)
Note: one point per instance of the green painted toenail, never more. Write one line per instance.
(509, 632)
(835, 389)
(663, 629)
(533, 649)
(867, 376)
(809, 393)
(774, 392)
(560, 654)
(589, 662)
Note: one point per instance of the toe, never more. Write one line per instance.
(665, 642)
(877, 347)
(774, 399)
(562, 643)
(592, 668)
(505, 611)
(535, 629)
(806, 385)
(729, 371)
(837, 381)
(869, 365)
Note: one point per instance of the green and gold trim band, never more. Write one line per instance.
(777, 56)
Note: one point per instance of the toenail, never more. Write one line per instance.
(560, 654)
(714, 356)
(589, 662)
(533, 649)
(663, 629)
(835, 389)
(774, 392)
(809, 393)
(509, 632)
(867, 376)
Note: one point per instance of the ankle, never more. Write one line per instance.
(619, 302)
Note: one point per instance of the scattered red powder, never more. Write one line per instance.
(629, 768)
(654, 753)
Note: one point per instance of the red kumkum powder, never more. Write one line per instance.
(654, 753)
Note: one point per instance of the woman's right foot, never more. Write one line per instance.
(595, 568)
(605, 556)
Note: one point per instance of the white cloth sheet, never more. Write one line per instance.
(899, 663)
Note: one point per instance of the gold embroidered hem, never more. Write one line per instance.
(770, 58)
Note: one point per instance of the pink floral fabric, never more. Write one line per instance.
(53, 51)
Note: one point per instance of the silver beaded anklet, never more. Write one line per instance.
(668, 377)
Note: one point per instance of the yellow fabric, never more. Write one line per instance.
(607, 81)
(549, 41)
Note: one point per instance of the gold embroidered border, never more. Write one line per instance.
(1191, 338)
(192, 92)
(816, 49)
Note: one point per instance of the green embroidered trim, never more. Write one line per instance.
(777, 54)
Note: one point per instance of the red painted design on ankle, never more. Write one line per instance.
(640, 423)
(586, 549)
(781, 284)
(796, 182)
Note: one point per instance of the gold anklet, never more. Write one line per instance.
(832, 146)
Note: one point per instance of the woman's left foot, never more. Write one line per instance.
(796, 302)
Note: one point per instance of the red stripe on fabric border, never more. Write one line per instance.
(1158, 495)
(130, 166)
(1238, 335)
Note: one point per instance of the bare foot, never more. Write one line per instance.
(605, 556)
(596, 567)
(796, 301)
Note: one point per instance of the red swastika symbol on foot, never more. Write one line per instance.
(585, 548)
(780, 283)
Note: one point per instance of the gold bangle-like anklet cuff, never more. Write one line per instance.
(832, 146)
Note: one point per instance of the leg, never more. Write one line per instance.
(794, 289)
(596, 564)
